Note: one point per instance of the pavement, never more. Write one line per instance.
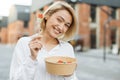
(91, 65)
(5, 60)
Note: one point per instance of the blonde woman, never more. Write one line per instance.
(57, 27)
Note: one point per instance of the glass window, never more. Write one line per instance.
(113, 14)
(93, 13)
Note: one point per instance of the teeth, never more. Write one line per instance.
(57, 30)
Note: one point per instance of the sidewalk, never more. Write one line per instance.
(91, 65)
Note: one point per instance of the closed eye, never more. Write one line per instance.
(68, 25)
(59, 20)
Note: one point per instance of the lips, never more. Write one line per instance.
(57, 30)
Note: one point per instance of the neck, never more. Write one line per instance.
(47, 40)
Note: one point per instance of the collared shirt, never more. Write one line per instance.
(24, 68)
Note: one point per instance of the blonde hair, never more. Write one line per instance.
(56, 6)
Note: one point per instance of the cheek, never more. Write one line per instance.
(50, 22)
(65, 30)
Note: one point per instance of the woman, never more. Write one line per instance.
(57, 27)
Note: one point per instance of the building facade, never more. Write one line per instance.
(16, 25)
(98, 21)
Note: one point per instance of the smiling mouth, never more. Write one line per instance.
(57, 31)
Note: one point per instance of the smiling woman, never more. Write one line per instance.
(6, 4)
(58, 25)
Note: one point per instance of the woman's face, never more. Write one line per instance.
(58, 23)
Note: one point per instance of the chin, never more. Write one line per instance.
(55, 36)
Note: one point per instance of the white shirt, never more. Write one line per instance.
(24, 68)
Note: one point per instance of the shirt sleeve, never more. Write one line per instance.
(22, 66)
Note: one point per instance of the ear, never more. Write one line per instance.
(46, 17)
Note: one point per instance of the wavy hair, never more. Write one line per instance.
(61, 5)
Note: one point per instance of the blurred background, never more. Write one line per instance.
(96, 44)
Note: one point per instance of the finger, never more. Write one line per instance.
(34, 45)
(37, 37)
(36, 42)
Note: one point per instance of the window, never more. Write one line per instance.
(93, 13)
(25, 24)
(113, 14)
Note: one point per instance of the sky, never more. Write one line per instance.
(6, 4)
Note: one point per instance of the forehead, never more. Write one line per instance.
(65, 14)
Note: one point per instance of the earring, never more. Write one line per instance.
(45, 18)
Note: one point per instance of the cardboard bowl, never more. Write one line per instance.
(59, 65)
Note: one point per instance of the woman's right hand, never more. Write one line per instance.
(35, 45)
